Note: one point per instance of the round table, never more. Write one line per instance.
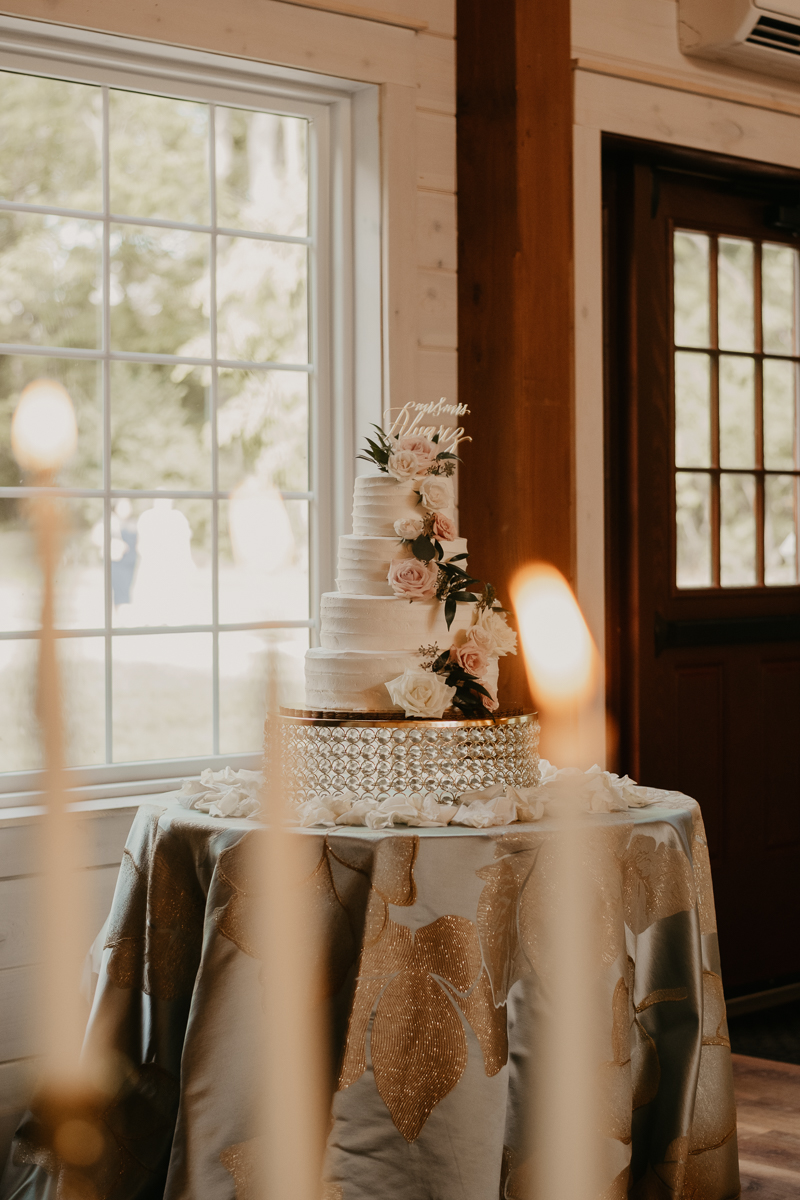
(432, 935)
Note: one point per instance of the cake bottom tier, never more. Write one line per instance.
(384, 758)
(355, 680)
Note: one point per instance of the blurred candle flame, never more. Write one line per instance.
(562, 665)
(44, 436)
(560, 655)
(44, 432)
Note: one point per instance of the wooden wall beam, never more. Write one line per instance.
(514, 122)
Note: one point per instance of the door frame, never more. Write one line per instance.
(622, 156)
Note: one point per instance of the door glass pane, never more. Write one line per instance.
(737, 404)
(263, 556)
(160, 426)
(262, 172)
(244, 661)
(735, 299)
(50, 281)
(737, 531)
(160, 292)
(778, 282)
(51, 134)
(160, 562)
(780, 529)
(158, 158)
(262, 428)
(691, 296)
(692, 410)
(261, 301)
(162, 696)
(780, 414)
(693, 519)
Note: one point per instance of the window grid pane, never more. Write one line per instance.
(121, 358)
(736, 513)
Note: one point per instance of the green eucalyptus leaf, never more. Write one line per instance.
(449, 610)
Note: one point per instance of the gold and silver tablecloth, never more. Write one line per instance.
(437, 969)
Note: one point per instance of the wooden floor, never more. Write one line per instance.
(768, 1115)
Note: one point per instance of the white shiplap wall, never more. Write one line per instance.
(104, 834)
(408, 49)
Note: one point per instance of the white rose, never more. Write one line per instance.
(420, 693)
(504, 640)
(404, 465)
(409, 527)
(481, 638)
(437, 493)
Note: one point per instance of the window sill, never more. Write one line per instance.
(25, 813)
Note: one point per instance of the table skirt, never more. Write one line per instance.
(437, 976)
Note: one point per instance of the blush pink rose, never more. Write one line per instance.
(490, 702)
(470, 657)
(412, 579)
(424, 449)
(444, 528)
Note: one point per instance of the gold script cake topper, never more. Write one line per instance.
(408, 422)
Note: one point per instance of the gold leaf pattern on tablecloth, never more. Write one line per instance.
(516, 1178)
(615, 1077)
(156, 940)
(715, 1016)
(393, 870)
(660, 996)
(336, 891)
(657, 882)
(701, 865)
(488, 1023)
(620, 1030)
(241, 1160)
(235, 919)
(502, 919)
(418, 1046)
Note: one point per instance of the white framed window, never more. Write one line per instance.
(175, 248)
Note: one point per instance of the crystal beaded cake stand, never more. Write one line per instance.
(383, 755)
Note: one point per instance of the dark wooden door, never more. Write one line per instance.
(703, 360)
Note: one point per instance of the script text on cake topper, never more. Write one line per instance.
(408, 422)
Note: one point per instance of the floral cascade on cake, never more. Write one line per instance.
(409, 630)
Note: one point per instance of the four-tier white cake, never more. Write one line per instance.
(390, 619)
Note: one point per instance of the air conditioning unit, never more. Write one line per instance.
(759, 35)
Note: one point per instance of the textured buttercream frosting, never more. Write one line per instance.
(379, 501)
(355, 681)
(364, 562)
(387, 623)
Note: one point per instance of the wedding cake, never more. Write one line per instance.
(408, 629)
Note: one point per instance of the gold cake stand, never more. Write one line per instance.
(380, 755)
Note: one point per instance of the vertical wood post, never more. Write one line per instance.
(515, 281)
